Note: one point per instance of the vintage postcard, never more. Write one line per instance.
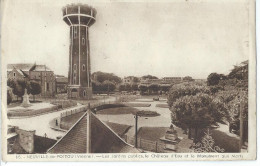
(137, 80)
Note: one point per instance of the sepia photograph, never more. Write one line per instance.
(128, 80)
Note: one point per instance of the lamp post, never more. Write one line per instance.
(241, 127)
(136, 128)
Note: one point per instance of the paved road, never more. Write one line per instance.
(164, 120)
(40, 123)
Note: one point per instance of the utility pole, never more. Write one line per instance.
(88, 129)
(136, 128)
(241, 127)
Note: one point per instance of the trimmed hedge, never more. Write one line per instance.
(32, 112)
(137, 104)
(64, 104)
(162, 105)
(106, 106)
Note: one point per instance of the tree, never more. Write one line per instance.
(96, 86)
(134, 87)
(142, 88)
(108, 86)
(213, 79)
(153, 88)
(127, 87)
(240, 72)
(102, 76)
(136, 80)
(198, 111)
(188, 78)
(11, 83)
(215, 89)
(149, 77)
(121, 87)
(165, 87)
(9, 98)
(18, 89)
(186, 89)
(35, 89)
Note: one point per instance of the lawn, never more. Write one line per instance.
(162, 105)
(127, 110)
(152, 133)
(118, 110)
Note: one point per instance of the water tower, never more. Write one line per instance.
(79, 17)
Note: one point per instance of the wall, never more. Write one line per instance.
(26, 139)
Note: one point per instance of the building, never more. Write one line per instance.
(33, 72)
(130, 80)
(91, 135)
(61, 84)
(79, 18)
(21, 141)
(45, 76)
(17, 74)
(172, 79)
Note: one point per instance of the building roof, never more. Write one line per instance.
(103, 139)
(20, 72)
(21, 66)
(41, 144)
(41, 68)
(26, 67)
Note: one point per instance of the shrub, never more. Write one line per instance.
(185, 89)
(197, 111)
(9, 98)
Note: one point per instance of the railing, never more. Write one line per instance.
(84, 108)
(148, 145)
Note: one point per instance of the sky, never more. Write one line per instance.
(174, 38)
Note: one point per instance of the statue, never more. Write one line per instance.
(26, 102)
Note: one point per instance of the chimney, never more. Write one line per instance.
(26, 139)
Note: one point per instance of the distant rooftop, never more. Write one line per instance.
(21, 66)
(26, 67)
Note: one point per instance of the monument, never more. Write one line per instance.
(26, 101)
(79, 17)
(170, 140)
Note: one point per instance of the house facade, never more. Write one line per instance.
(33, 72)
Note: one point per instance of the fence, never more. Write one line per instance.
(73, 111)
(94, 106)
(148, 145)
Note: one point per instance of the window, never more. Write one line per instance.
(83, 67)
(74, 80)
(14, 74)
(84, 93)
(75, 67)
(83, 41)
(48, 87)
